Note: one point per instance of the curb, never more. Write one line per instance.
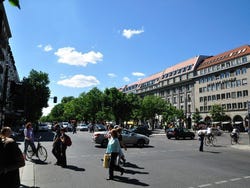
(27, 175)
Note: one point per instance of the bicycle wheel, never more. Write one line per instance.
(207, 141)
(213, 141)
(29, 152)
(233, 140)
(42, 153)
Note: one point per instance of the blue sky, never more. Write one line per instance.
(83, 44)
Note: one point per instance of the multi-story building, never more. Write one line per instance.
(174, 84)
(223, 80)
(8, 72)
(202, 81)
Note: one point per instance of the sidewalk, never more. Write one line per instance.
(27, 175)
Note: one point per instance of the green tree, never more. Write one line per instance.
(57, 112)
(151, 106)
(36, 94)
(196, 116)
(217, 112)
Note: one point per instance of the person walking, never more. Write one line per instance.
(64, 143)
(113, 149)
(121, 154)
(201, 134)
(28, 138)
(56, 148)
(11, 159)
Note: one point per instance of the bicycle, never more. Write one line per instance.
(40, 152)
(234, 138)
(210, 140)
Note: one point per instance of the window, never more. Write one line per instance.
(218, 96)
(223, 96)
(244, 70)
(240, 105)
(244, 81)
(234, 105)
(228, 95)
(245, 93)
(244, 59)
(239, 94)
(233, 95)
(229, 106)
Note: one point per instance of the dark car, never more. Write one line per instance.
(178, 133)
(142, 130)
(99, 127)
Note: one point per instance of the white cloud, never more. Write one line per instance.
(48, 48)
(47, 110)
(39, 45)
(111, 75)
(128, 33)
(138, 74)
(79, 81)
(126, 79)
(69, 55)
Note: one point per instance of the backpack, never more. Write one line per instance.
(68, 141)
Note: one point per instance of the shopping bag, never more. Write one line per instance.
(106, 158)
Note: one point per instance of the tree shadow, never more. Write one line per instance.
(130, 181)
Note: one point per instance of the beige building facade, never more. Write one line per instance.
(202, 81)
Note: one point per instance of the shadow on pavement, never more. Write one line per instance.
(24, 186)
(131, 165)
(129, 171)
(75, 168)
(129, 181)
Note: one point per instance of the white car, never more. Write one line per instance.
(43, 127)
(128, 138)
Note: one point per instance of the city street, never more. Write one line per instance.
(164, 163)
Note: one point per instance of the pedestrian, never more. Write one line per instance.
(28, 138)
(56, 148)
(113, 149)
(11, 159)
(64, 143)
(201, 134)
(121, 154)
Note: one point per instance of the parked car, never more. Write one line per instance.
(43, 127)
(99, 127)
(82, 127)
(142, 130)
(67, 125)
(128, 137)
(178, 133)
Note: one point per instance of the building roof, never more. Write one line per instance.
(226, 56)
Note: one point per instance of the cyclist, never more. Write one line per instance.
(235, 134)
(28, 138)
(209, 132)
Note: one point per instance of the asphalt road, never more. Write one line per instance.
(163, 164)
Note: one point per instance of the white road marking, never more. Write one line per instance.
(205, 185)
(221, 182)
(235, 179)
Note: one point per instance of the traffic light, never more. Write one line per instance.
(55, 99)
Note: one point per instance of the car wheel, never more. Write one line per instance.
(192, 137)
(177, 138)
(169, 137)
(140, 143)
(104, 143)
